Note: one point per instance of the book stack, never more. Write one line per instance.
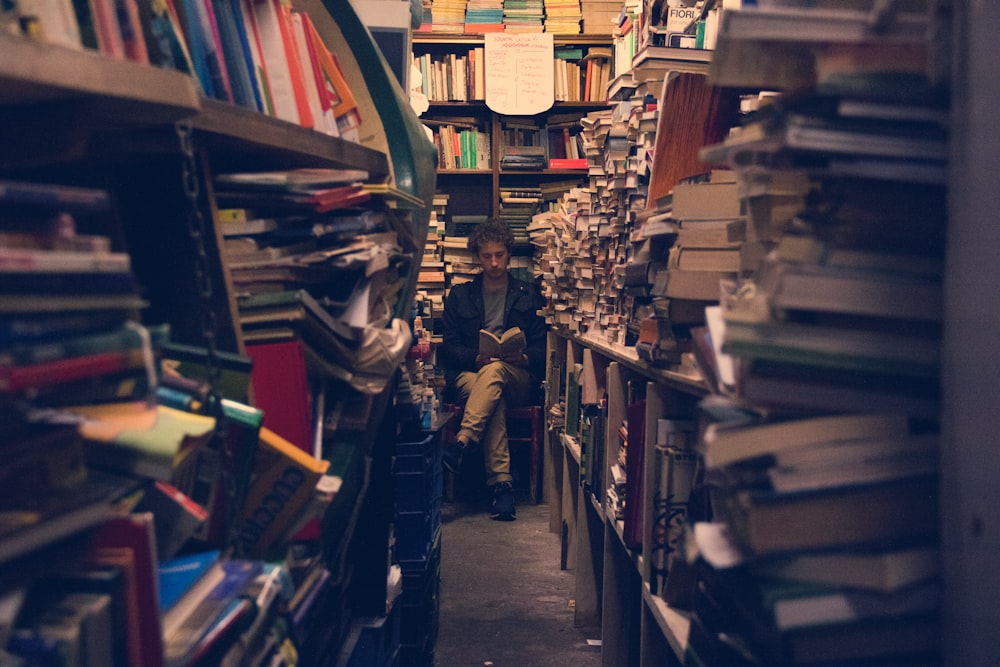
(197, 592)
(710, 237)
(517, 206)
(309, 264)
(523, 16)
(434, 252)
(432, 295)
(484, 16)
(460, 225)
(439, 212)
(626, 34)
(67, 300)
(599, 17)
(554, 191)
(833, 519)
(523, 145)
(654, 63)
(683, 25)
(563, 17)
(460, 265)
(448, 16)
(809, 287)
(834, 342)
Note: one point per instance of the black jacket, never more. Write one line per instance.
(465, 314)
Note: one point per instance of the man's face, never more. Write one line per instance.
(494, 258)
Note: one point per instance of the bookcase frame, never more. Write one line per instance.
(82, 118)
(969, 474)
(466, 186)
(612, 581)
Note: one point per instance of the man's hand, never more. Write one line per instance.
(515, 359)
(483, 359)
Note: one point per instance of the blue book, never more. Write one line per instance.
(201, 607)
(179, 575)
(230, 25)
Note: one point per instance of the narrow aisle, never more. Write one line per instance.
(503, 599)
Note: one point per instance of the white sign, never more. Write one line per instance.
(519, 73)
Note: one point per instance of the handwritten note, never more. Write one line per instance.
(519, 73)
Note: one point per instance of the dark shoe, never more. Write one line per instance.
(452, 456)
(502, 508)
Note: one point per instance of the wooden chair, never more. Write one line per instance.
(525, 431)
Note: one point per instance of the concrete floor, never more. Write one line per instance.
(504, 602)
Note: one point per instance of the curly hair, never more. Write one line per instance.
(491, 231)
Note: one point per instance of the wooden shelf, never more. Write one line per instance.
(543, 172)
(572, 447)
(448, 39)
(464, 172)
(238, 137)
(618, 527)
(467, 104)
(115, 91)
(675, 624)
(481, 105)
(627, 356)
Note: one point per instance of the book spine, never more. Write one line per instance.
(296, 71)
(62, 261)
(60, 371)
(126, 338)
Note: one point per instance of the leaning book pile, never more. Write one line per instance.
(123, 453)
(315, 258)
(820, 443)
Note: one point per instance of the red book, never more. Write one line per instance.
(281, 391)
(129, 543)
(568, 163)
(328, 98)
(58, 371)
(294, 63)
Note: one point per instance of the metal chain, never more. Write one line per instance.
(197, 229)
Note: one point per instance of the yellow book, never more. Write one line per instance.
(510, 341)
(282, 483)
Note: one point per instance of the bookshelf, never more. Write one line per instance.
(82, 119)
(969, 482)
(612, 576)
(466, 185)
(761, 53)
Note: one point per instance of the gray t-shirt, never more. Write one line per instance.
(493, 304)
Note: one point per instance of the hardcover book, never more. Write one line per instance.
(511, 341)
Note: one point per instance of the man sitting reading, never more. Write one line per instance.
(487, 379)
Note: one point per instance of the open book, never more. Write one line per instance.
(511, 341)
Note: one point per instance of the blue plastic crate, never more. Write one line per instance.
(415, 540)
(418, 448)
(417, 491)
(413, 535)
(379, 640)
(419, 605)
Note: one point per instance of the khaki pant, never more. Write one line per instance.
(486, 394)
